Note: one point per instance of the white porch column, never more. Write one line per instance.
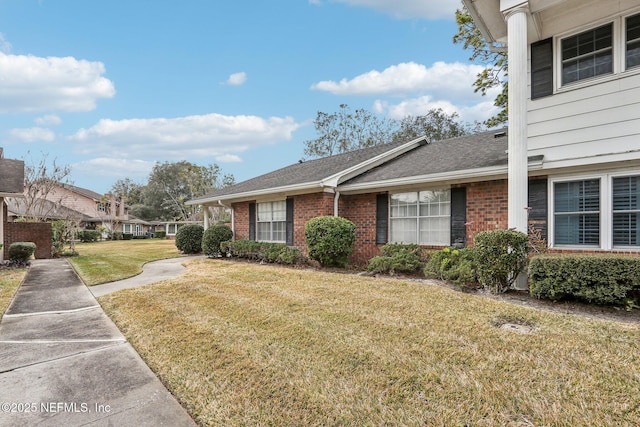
(518, 177)
(205, 210)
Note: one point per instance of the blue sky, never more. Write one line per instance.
(112, 87)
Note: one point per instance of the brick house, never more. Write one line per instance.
(11, 182)
(569, 163)
(436, 194)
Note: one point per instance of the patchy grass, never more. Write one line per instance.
(9, 282)
(103, 262)
(242, 344)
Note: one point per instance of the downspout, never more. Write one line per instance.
(233, 217)
(335, 202)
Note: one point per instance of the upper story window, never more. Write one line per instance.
(588, 54)
(632, 41)
(102, 207)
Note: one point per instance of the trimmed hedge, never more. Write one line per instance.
(161, 234)
(397, 258)
(262, 251)
(88, 236)
(189, 238)
(21, 251)
(600, 279)
(330, 240)
(212, 238)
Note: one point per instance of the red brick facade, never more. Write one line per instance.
(487, 207)
(361, 210)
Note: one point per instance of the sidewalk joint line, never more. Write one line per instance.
(75, 310)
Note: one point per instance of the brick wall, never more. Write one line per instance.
(487, 207)
(305, 207)
(241, 220)
(361, 210)
(36, 232)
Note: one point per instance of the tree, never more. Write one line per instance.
(172, 184)
(436, 125)
(128, 191)
(345, 131)
(40, 201)
(494, 60)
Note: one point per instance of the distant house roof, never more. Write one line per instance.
(45, 208)
(11, 177)
(312, 175)
(82, 191)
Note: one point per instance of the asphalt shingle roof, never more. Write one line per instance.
(477, 151)
(306, 172)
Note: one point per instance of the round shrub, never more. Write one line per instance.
(189, 238)
(330, 239)
(501, 255)
(21, 251)
(212, 238)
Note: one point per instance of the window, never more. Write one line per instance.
(588, 54)
(271, 221)
(126, 228)
(421, 217)
(632, 41)
(172, 228)
(577, 212)
(626, 211)
(102, 207)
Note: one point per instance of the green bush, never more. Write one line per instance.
(21, 251)
(330, 240)
(189, 238)
(161, 234)
(262, 251)
(397, 258)
(501, 255)
(605, 279)
(127, 236)
(453, 265)
(88, 236)
(212, 238)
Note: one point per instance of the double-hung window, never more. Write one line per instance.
(626, 211)
(577, 212)
(588, 54)
(632, 32)
(421, 217)
(271, 221)
(600, 211)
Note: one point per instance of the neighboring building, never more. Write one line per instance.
(92, 210)
(11, 184)
(569, 163)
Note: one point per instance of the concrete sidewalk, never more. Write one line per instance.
(64, 363)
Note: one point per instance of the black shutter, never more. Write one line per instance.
(458, 216)
(538, 204)
(252, 221)
(382, 218)
(542, 68)
(289, 222)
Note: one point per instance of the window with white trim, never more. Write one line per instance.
(632, 40)
(577, 212)
(272, 221)
(588, 54)
(598, 211)
(126, 228)
(422, 217)
(626, 211)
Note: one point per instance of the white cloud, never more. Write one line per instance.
(48, 120)
(446, 79)
(237, 79)
(112, 167)
(479, 111)
(211, 135)
(31, 83)
(407, 9)
(229, 158)
(33, 134)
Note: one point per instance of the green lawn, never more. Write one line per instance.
(245, 344)
(102, 262)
